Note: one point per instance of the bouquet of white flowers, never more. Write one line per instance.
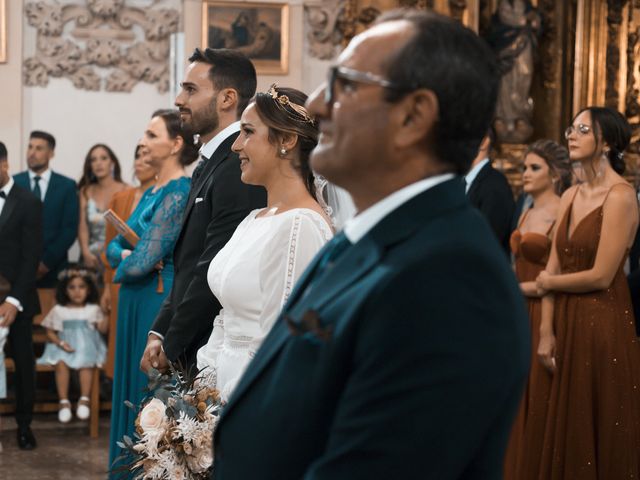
(174, 430)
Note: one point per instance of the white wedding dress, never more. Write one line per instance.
(252, 277)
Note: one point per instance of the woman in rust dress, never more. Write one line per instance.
(122, 203)
(547, 173)
(587, 336)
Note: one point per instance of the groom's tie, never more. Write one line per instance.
(198, 170)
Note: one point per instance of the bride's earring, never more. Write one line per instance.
(283, 151)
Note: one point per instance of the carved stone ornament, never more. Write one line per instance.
(102, 49)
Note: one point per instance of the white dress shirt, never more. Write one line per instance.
(361, 224)
(473, 173)
(45, 178)
(6, 189)
(208, 149)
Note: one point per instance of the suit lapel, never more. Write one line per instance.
(51, 188)
(484, 171)
(355, 263)
(9, 205)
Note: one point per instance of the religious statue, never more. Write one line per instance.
(514, 32)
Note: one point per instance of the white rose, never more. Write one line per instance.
(153, 418)
(205, 459)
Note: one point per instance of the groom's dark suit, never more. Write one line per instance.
(404, 360)
(20, 252)
(218, 202)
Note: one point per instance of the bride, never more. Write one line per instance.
(253, 275)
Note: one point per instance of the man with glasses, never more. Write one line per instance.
(403, 349)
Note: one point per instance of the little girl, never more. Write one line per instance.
(73, 328)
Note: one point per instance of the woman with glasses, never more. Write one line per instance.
(547, 174)
(587, 336)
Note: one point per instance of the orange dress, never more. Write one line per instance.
(121, 203)
(593, 426)
(522, 459)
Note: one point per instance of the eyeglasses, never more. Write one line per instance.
(581, 129)
(337, 72)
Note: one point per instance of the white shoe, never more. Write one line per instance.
(64, 414)
(83, 412)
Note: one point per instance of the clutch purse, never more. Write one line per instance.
(5, 288)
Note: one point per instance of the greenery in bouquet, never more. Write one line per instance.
(174, 429)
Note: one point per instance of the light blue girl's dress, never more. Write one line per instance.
(77, 327)
(157, 220)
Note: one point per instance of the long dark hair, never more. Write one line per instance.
(176, 128)
(611, 127)
(88, 177)
(282, 118)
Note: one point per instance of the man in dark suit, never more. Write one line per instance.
(20, 251)
(60, 206)
(217, 87)
(403, 349)
(489, 191)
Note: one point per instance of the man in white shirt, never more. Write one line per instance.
(488, 190)
(20, 251)
(403, 349)
(59, 198)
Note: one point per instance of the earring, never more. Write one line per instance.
(283, 151)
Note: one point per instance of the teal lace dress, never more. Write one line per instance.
(157, 220)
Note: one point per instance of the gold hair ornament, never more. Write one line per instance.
(283, 102)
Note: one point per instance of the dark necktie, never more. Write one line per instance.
(36, 188)
(198, 170)
(2, 194)
(338, 245)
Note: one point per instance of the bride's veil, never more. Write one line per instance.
(335, 201)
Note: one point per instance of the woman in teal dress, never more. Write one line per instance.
(156, 220)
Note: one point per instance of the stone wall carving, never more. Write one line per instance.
(102, 49)
(332, 23)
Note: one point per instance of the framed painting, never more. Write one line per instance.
(260, 30)
(3, 31)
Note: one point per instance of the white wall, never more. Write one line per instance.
(79, 118)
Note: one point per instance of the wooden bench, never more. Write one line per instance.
(47, 301)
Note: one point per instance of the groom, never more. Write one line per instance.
(403, 350)
(217, 87)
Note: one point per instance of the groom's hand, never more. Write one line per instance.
(153, 356)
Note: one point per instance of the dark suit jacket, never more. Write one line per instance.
(21, 246)
(423, 370)
(218, 202)
(60, 223)
(491, 194)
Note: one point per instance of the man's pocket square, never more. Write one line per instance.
(310, 323)
(198, 200)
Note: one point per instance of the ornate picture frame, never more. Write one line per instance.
(258, 29)
(3, 31)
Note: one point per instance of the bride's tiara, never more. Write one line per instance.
(283, 102)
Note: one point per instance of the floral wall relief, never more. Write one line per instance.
(102, 50)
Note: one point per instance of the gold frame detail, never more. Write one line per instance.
(3, 31)
(263, 67)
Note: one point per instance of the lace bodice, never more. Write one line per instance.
(157, 220)
(252, 277)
